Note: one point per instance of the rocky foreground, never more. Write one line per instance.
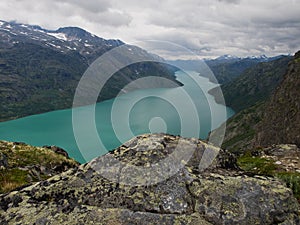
(219, 194)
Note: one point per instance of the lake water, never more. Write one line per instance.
(151, 111)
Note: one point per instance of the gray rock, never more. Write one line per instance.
(3, 160)
(219, 194)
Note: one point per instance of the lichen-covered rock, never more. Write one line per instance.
(218, 194)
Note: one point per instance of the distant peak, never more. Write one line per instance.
(74, 32)
(227, 56)
(258, 57)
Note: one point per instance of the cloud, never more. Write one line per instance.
(230, 1)
(55, 13)
(208, 28)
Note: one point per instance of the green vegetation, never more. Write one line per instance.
(257, 165)
(292, 180)
(267, 167)
(36, 79)
(21, 164)
(10, 179)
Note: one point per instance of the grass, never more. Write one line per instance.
(266, 167)
(23, 160)
(292, 180)
(13, 178)
(257, 165)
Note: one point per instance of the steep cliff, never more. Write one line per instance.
(281, 119)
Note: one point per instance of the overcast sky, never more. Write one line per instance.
(209, 28)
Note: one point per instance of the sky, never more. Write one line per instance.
(207, 28)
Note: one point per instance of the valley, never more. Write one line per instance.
(219, 143)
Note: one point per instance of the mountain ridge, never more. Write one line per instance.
(254, 85)
(40, 69)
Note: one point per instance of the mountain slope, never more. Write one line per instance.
(255, 85)
(281, 120)
(40, 69)
(268, 122)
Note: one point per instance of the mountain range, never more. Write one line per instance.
(255, 178)
(224, 68)
(40, 69)
(266, 99)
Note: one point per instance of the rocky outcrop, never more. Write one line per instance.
(281, 121)
(22, 164)
(210, 191)
(285, 156)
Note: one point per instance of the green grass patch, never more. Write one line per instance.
(257, 165)
(11, 179)
(292, 181)
(266, 167)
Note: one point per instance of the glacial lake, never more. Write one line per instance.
(150, 113)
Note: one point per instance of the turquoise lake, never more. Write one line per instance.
(151, 112)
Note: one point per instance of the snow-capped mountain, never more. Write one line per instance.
(40, 69)
(227, 57)
(64, 39)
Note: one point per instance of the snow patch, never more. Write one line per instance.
(8, 31)
(53, 45)
(23, 25)
(1, 23)
(60, 36)
(37, 30)
(35, 38)
(87, 45)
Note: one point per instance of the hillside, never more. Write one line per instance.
(281, 119)
(270, 121)
(40, 69)
(219, 194)
(254, 85)
(22, 164)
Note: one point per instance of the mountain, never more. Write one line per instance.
(228, 68)
(63, 40)
(282, 113)
(255, 84)
(40, 69)
(219, 194)
(271, 120)
(224, 68)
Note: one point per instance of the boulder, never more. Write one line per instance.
(214, 193)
